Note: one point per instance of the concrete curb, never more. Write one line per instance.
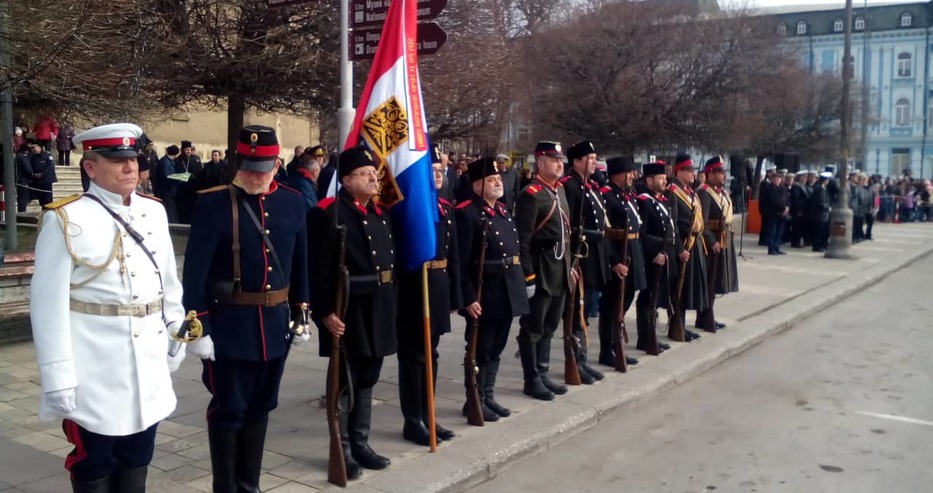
(476, 458)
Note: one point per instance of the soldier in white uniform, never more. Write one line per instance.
(105, 297)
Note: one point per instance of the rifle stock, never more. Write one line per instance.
(571, 372)
(336, 462)
(675, 324)
(618, 330)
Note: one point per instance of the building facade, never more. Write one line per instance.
(891, 50)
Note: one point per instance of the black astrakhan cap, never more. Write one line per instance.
(580, 149)
(482, 167)
(616, 165)
(353, 158)
(652, 169)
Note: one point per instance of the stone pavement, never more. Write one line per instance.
(776, 292)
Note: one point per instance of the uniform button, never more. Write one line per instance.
(365, 223)
(374, 252)
(160, 291)
(135, 296)
(147, 232)
(378, 268)
(268, 251)
(124, 235)
(269, 268)
(136, 334)
(132, 274)
(266, 214)
(268, 287)
(128, 255)
(391, 251)
(266, 231)
(391, 266)
(262, 198)
(144, 214)
(370, 237)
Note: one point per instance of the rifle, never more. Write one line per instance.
(675, 325)
(618, 331)
(571, 372)
(474, 407)
(336, 463)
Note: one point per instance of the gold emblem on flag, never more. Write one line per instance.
(385, 129)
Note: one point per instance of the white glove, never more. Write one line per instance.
(61, 400)
(298, 340)
(530, 291)
(203, 348)
(175, 361)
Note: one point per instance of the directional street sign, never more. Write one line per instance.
(372, 13)
(363, 42)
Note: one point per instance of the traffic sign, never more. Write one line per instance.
(372, 13)
(363, 42)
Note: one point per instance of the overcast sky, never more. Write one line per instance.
(841, 3)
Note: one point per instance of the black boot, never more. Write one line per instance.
(354, 471)
(412, 402)
(533, 386)
(101, 485)
(607, 353)
(359, 423)
(441, 432)
(131, 480)
(544, 362)
(489, 395)
(488, 414)
(583, 361)
(647, 332)
(223, 445)
(251, 442)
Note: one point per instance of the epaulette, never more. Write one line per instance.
(213, 189)
(606, 189)
(533, 189)
(644, 196)
(150, 197)
(564, 179)
(704, 186)
(326, 202)
(465, 203)
(62, 202)
(443, 201)
(290, 189)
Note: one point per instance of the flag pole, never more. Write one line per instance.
(428, 358)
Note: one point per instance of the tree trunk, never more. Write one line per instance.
(236, 107)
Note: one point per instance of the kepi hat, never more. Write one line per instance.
(258, 147)
(113, 141)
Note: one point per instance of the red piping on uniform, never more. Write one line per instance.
(210, 385)
(265, 281)
(73, 435)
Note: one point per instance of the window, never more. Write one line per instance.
(902, 113)
(838, 25)
(900, 161)
(782, 29)
(906, 19)
(904, 65)
(930, 117)
(859, 23)
(828, 62)
(801, 27)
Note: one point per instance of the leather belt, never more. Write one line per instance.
(266, 298)
(437, 264)
(513, 260)
(616, 234)
(382, 277)
(139, 311)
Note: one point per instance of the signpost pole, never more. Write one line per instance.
(346, 111)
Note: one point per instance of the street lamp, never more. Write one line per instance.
(840, 241)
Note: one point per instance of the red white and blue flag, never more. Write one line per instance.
(390, 121)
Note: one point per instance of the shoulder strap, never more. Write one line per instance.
(237, 275)
(548, 217)
(265, 236)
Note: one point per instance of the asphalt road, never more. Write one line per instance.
(841, 403)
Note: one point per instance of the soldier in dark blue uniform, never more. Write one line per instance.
(658, 238)
(443, 296)
(369, 326)
(588, 221)
(503, 290)
(245, 274)
(627, 267)
(543, 222)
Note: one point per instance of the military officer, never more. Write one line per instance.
(774, 208)
(628, 266)
(543, 223)
(369, 326)
(104, 298)
(659, 237)
(484, 222)
(443, 296)
(717, 235)
(690, 249)
(588, 222)
(245, 274)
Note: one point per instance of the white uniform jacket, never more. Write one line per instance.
(116, 364)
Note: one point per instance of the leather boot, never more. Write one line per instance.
(359, 422)
(533, 386)
(489, 390)
(488, 414)
(223, 445)
(354, 471)
(607, 348)
(411, 401)
(583, 361)
(441, 432)
(251, 442)
(101, 485)
(647, 332)
(131, 480)
(544, 362)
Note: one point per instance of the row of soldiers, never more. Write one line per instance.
(254, 280)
